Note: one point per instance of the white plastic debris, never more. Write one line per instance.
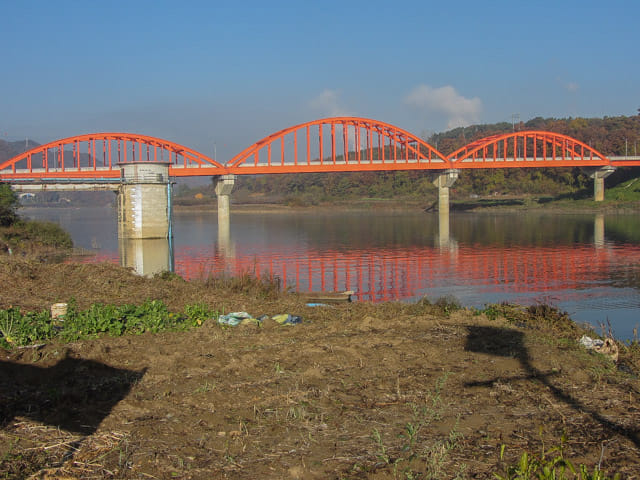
(606, 347)
(590, 343)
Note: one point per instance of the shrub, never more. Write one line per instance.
(47, 233)
(8, 205)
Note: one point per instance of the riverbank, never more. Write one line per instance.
(356, 390)
(499, 203)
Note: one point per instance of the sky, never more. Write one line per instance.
(218, 76)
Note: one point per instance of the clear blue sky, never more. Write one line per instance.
(229, 73)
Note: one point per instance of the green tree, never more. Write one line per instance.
(8, 205)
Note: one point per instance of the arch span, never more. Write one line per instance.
(338, 144)
(97, 155)
(530, 148)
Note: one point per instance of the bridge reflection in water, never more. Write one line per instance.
(403, 272)
(147, 256)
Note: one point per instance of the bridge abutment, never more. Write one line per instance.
(144, 201)
(598, 176)
(444, 180)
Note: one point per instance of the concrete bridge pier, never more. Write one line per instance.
(144, 201)
(598, 176)
(224, 188)
(444, 180)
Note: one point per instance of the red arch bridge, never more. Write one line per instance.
(326, 145)
(136, 164)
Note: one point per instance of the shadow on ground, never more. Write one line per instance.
(506, 342)
(74, 395)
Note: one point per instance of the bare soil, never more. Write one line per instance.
(355, 391)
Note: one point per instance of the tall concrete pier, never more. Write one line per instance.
(144, 201)
(224, 187)
(598, 176)
(444, 180)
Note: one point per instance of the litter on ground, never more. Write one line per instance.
(244, 318)
(606, 347)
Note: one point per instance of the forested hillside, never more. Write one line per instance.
(610, 135)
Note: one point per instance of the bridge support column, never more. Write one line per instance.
(224, 187)
(144, 201)
(598, 176)
(444, 180)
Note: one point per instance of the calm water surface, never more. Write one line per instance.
(588, 265)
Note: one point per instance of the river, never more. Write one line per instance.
(585, 264)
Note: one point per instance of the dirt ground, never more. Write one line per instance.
(355, 391)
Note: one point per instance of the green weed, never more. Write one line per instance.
(205, 387)
(19, 329)
(550, 465)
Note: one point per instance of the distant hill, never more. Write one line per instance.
(11, 149)
(609, 135)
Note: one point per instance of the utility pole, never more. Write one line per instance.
(514, 116)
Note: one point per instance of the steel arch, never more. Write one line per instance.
(529, 148)
(97, 155)
(376, 146)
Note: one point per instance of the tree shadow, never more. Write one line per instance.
(75, 394)
(506, 342)
(462, 206)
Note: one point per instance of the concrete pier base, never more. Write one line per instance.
(598, 176)
(444, 180)
(144, 201)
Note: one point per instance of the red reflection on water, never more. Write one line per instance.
(400, 273)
